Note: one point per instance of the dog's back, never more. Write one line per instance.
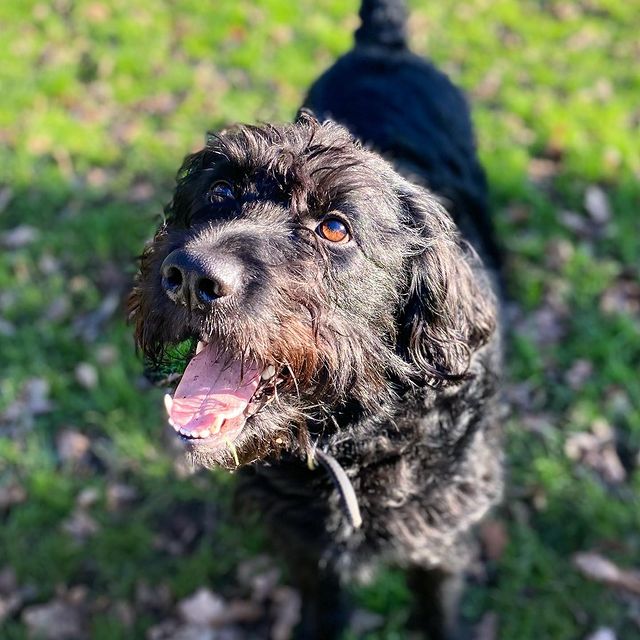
(403, 107)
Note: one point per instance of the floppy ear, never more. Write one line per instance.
(450, 310)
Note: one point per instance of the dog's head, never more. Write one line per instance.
(302, 280)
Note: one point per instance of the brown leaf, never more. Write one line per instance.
(579, 372)
(287, 605)
(597, 450)
(120, 495)
(19, 237)
(72, 446)
(87, 497)
(11, 494)
(623, 296)
(487, 628)
(597, 205)
(603, 633)
(244, 611)
(363, 622)
(86, 375)
(203, 608)
(172, 630)
(599, 568)
(494, 538)
(56, 620)
(153, 597)
(80, 526)
(32, 401)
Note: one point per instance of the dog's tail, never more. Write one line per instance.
(384, 24)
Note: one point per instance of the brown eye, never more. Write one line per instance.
(334, 230)
(220, 190)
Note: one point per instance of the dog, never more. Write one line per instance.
(325, 293)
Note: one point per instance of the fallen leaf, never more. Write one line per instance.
(597, 450)
(86, 375)
(120, 495)
(579, 372)
(11, 494)
(599, 568)
(172, 630)
(603, 633)
(153, 597)
(363, 622)
(203, 608)
(623, 296)
(72, 446)
(494, 538)
(19, 237)
(87, 497)
(56, 620)
(287, 604)
(80, 526)
(487, 628)
(597, 205)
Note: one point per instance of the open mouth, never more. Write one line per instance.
(217, 394)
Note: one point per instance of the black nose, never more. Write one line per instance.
(197, 281)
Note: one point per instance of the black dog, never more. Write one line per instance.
(333, 313)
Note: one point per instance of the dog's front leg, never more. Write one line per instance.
(436, 594)
(324, 611)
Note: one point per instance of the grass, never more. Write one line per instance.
(100, 102)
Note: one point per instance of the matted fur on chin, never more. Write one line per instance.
(351, 327)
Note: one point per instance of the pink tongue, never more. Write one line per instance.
(213, 390)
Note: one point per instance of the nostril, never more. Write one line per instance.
(208, 290)
(173, 279)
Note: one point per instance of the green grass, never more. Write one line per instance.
(101, 100)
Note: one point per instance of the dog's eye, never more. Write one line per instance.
(334, 230)
(220, 190)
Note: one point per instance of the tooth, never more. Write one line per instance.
(185, 432)
(269, 372)
(205, 434)
(168, 403)
(216, 427)
(200, 346)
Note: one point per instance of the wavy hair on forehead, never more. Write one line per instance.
(312, 164)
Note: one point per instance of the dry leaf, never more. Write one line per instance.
(80, 526)
(56, 620)
(203, 608)
(19, 237)
(72, 446)
(11, 494)
(597, 205)
(603, 633)
(494, 538)
(86, 375)
(287, 604)
(597, 567)
(487, 628)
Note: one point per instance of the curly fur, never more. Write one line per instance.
(387, 345)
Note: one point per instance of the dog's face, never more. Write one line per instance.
(309, 283)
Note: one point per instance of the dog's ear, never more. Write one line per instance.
(450, 310)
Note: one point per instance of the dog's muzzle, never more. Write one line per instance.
(197, 281)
